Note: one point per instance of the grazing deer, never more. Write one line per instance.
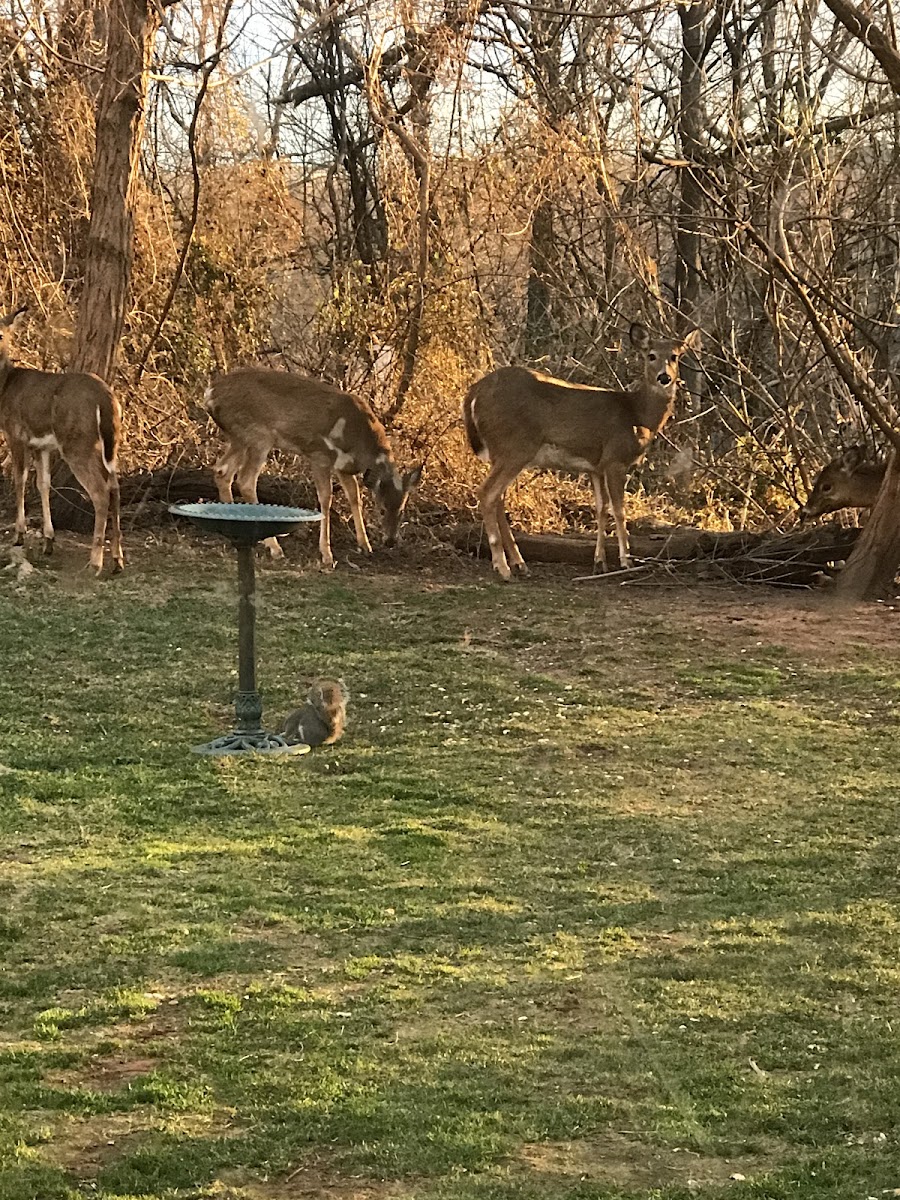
(258, 410)
(852, 480)
(74, 413)
(517, 418)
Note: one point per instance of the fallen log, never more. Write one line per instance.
(798, 558)
(146, 495)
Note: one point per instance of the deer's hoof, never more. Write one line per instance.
(48, 546)
(521, 568)
(19, 539)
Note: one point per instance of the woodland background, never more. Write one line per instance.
(400, 195)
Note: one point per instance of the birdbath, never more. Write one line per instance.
(245, 525)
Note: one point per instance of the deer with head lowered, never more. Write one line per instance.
(258, 410)
(74, 413)
(517, 418)
(852, 480)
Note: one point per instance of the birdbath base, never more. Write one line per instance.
(250, 743)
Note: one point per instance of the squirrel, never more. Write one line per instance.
(320, 721)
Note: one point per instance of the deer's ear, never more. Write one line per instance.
(692, 341)
(10, 317)
(412, 478)
(853, 457)
(640, 338)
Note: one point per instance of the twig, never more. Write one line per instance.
(612, 574)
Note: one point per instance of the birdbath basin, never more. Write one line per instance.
(245, 525)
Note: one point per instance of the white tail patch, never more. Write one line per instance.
(109, 464)
(483, 453)
(207, 395)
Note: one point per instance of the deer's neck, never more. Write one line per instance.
(6, 371)
(651, 407)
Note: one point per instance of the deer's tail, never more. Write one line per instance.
(475, 439)
(108, 422)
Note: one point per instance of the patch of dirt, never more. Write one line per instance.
(310, 1180)
(623, 1161)
(110, 1073)
(84, 1145)
(117, 1071)
(818, 628)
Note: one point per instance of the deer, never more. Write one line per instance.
(852, 480)
(259, 409)
(75, 413)
(516, 418)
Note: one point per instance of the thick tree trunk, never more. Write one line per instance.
(110, 244)
(872, 567)
(109, 254)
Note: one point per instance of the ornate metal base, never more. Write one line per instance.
(246, 742)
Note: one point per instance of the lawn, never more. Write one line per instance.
(597, 898)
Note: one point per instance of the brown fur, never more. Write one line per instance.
(321, 719)
(518, 418)
(79, 413)
(259, 410)
(852, 480)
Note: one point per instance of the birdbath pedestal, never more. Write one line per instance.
(245, 525)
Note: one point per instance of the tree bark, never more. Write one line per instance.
(872, 567)
(109, 253)
(861, 25)
(688, 244)
(110, 243)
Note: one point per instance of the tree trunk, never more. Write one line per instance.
(109, 253)
(872, 567)
(688, 268)
(110, 243)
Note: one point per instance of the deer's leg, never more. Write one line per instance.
(115, 541)
(42, 473)
(510, 549)
(18, 457)
(350, 484)
(249, 467)
(227, 465)
(600, 501)
(491, 503)
(321, 474)
(615, 489)
(94, 478)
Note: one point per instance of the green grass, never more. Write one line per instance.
(597, 898)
